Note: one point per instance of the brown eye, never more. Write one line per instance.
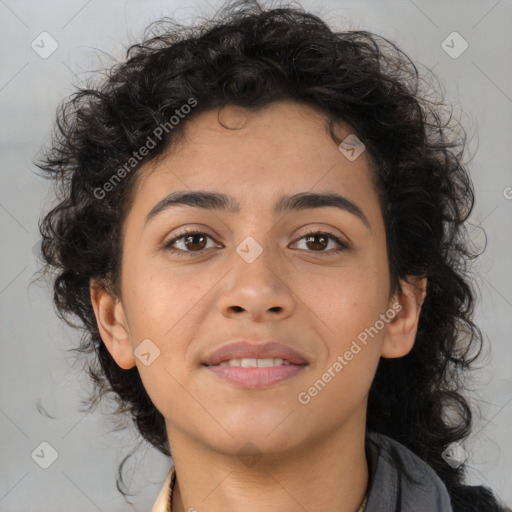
(195, 241)
(318, 241)
(191, 242)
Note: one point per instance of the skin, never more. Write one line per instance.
(312, 456)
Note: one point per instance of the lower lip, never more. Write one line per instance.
(256, 377)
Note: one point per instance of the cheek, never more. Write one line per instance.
(167, 309)
(348, 309)
(163, 309)
(346, 299)
(349, 320)
(160, 298)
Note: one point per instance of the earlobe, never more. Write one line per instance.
(112, 325)
(401, 330)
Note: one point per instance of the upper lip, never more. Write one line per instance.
(262, 349)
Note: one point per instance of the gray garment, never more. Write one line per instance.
(390, 489)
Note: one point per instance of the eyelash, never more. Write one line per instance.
(167, 246)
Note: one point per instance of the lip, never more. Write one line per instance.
(256, 378)
(261, 349)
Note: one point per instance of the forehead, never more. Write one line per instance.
(252, 154)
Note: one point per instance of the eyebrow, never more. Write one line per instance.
(285, 204)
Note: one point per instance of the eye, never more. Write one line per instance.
(194, 240)
(320, 240)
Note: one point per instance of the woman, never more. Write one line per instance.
(261, 229)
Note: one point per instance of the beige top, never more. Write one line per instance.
(163, 502)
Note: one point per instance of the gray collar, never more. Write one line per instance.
(400, 481)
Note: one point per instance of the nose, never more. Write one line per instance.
(258, 290)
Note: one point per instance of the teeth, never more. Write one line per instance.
(252, 363)
(269, 362)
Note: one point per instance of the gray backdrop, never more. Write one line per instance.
(41, 390)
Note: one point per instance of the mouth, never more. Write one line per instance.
(243, 353)
(255, 364)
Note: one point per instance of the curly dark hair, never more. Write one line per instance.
(248, 56)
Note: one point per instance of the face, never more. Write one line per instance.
(256, 274)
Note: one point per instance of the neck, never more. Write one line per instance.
(329, 474)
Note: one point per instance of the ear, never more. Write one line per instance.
(401, 330)
(112, 325)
